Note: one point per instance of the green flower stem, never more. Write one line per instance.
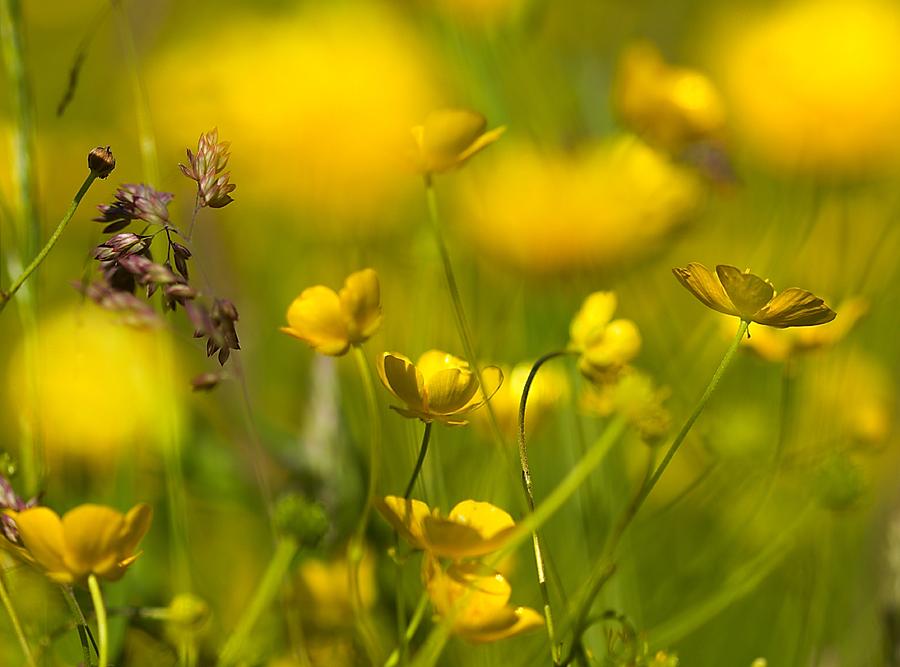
(14, 619)
(266, 592)
(462, 323)
(410, 632)
(604, 566)
(355, 549)
(5, 296)
(100, 611)
(423, 450)
(80, 623)
(434, 643)
(529, 496)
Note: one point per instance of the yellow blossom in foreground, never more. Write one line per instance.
(603, 205)
(605, 344)
(814, 85)
(745, 295)
(324, 590)
(548, 387)
(669, 106)
(782, 344)
(89, 539)
(448, 138)
(477, 599)
(330, 322)
(440, 387)
(471, 529)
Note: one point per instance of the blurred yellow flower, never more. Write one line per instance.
(815, 84)
(471, 529)
(330, 322)
(548, 387)
(477, 599)
(669, 106)
(782, 344)
(440, 387)
(448, 138)
(89, 539)
(554, 212)
(317, 105)
(635, 396)
(745, 295)
(100, 387)
(605, 344)
(324, 590)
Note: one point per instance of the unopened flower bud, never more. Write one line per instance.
(301, 519)
(187, 615)
(206, 381)
(101, 161)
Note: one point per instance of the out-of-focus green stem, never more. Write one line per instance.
(355, 550)
(100, 611)
(414, 622)
(14, 619)
(80, 623)
(6, 295)
(266, 592)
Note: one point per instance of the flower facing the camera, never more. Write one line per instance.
(448, 138)
(476, 598)
(87, 540)
(330, 322)
(749, 297)
(606, 345)
(439, 387)
(471, 529)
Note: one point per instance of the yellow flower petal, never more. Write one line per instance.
(748, 292)
(703, 284)
(91, 534)
(481, 143)
(447, 133)
(316, 318)
(449, 391)
(471, 529)
(435, 361)
(795, 307)
(406, 516)
(42, 533)
(402, 379)
(521, 620)
(360, 300)
(619, 344)
(492, 380)
(595, 313)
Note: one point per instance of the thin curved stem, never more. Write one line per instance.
(423, 450)
(16, 623)
(5, 296)
(100, 611)
(604, 566)
(529, 496)
(355, 549)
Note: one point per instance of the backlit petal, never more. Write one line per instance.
(401, 377)
(406, 516)
(492, 380)
(91, 534)
(471, 529)
(748, 292)
(435, 361)
(795, 307)
(361, 303)
(448, 391)
(316, 318)
(703, 284)
(447, 133)
(40, 529)
(593, 316)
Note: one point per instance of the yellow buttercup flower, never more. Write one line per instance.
(669, 106)
(324, 595)
(89, 539)
(605, 344)
(780, 345)
(745, 295)
(471, 529)
(330, 322)
(440, 387)
(477, 599)
(634, 396)
(448, 138)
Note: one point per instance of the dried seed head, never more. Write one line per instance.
(135, 202)
(101, 161)
(207, 168)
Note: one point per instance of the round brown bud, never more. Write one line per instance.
(101, 161)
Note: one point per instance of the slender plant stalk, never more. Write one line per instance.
(5, 296)
(437, 639)
(604, 565)
(102, 629)
(355, 550)
(529, 497)
(14, 619)
(423, 450)
(410, 632)
(265, 593)
(462, 323)
(80, 623)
